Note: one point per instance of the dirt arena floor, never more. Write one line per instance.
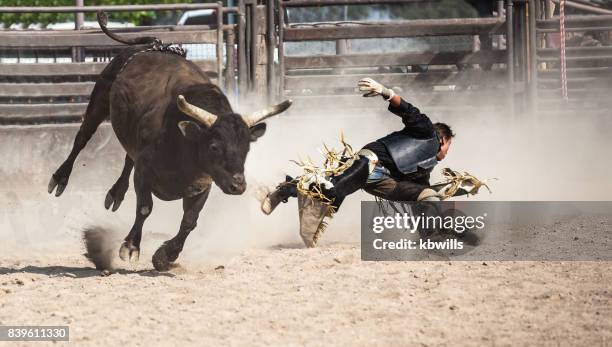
(245, 279)
(317, 296)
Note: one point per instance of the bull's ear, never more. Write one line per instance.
(190, 130)
(257, 131)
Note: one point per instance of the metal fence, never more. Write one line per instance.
(47, 75)
(444, 61)
(589, 63)
(511, 57)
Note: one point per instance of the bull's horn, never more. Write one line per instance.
(266, 113)
(205, 117)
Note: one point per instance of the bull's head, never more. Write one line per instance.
(223, 141)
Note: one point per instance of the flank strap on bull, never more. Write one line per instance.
(159, 46)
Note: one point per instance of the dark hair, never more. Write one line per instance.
(444, 131)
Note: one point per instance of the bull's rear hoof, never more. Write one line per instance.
(129, 252)
(160, 259)
(60, 183)
(112, 201)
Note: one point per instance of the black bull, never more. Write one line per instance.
(180, 134)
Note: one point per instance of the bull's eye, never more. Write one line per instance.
(215, 148)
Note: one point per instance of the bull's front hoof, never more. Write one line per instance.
(129, 252)
(112, 201)
(163, 259)
(59, 182)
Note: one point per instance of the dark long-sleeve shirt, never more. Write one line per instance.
(417, 125)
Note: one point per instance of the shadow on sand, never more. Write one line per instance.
(300, 245)
(295, 245)
(78, 272)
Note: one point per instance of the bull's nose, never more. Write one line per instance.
(238, 185)
(237, 188)
(238, 178)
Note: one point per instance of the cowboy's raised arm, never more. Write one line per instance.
(413, 119)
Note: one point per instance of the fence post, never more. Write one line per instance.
(510, 52)
(254, 26)
(79, 21)
(242, 56)
(281, 48)
(342, 47)
(260, 61)
(521, 52)
(219, 43)
(79, 17)
(533, 62)
(230, 76)
(270, 44)
(500, 14)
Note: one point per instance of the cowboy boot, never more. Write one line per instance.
(282, 193)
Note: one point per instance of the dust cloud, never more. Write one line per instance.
(543, 156)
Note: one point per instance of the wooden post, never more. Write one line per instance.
(549, 8)
(79, 20)
(270, 44)
(220, 44)
(253, 43)
(260, 58)
(342, 47)
(281, 49)
(520, 51)
(79, 17)
(500, 14)
(524, 63)
(230, 76)
(533, 62)
(248, 46)
(486, 44)
(242, 55)
(510, 52)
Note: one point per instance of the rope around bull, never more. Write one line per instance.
(158, 46)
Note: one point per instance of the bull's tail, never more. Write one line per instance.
(103, 20)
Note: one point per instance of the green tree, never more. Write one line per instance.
(138, 18)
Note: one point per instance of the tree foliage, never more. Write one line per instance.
(138, 18)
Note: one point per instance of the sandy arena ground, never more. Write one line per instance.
(315, 297)
(245, 279)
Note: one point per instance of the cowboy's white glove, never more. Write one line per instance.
(373, 88)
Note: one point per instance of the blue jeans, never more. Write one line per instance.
(380, 173)
(381, 184)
